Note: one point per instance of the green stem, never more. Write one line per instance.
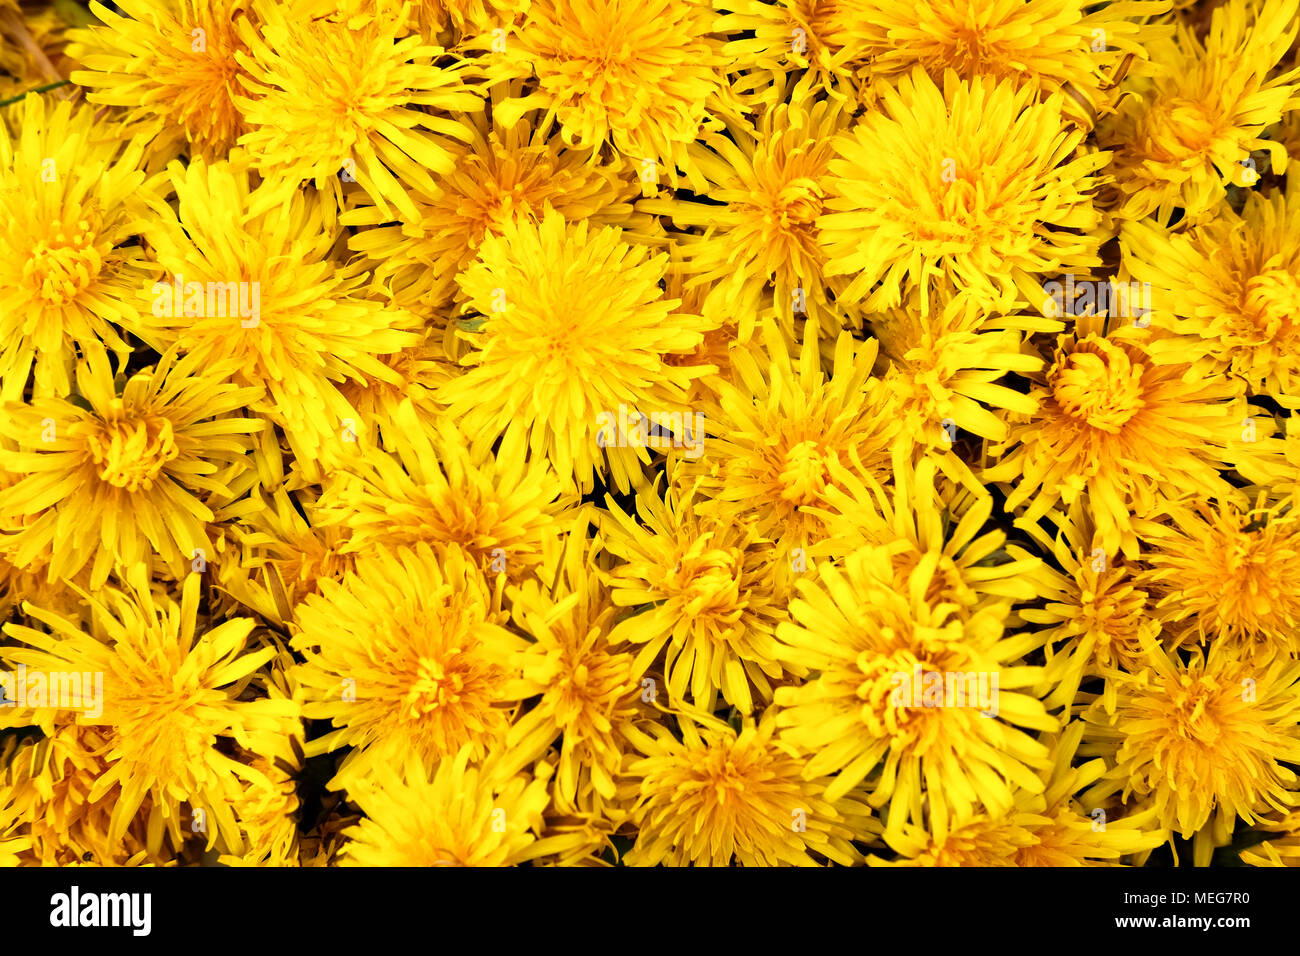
(40, 89)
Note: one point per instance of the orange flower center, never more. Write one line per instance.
(1271, 301)
(59, 269)
(1097, 384)
(131, 453)
(803, 477)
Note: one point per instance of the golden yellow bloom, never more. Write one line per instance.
(973, 185)
(1047, 828)
(1190, 130)
(409, 655)
(171, 693)
(574, 326)
(707, 590)
(813, 40)
(441, 488)
(458, 815)
(1093, 610)
(327, 97)
(280, 553)
(780, 422)
(499, 175)
(718, 796)
(589, 687)
(1126, 431)
(173, 69)
(870, 710)
(761, 249)
(948, 370)
(141, 460)
(924, 520)
(642, 75)
(1044, 45)
(1229, 290)
(47, 787)
(1207, 741)
(71, 198)
(1229, 574)
(262, 286)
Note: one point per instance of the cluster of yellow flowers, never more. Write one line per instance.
(684, 432)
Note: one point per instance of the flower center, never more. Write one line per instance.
(132, 452)
(1193, 719)
(436, 685)
(1098, 385)
(796, 206)
(725, 774)
(1271, 301)
(804, 473)
(889, 697)
(1192, 124)
(59, 269)
(709, 582)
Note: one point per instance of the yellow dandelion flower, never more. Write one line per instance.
(327, 97)
(1047, 828)
(1189, 131)
(262, 287)
(778, 425)
(719, 796)
(266, 809)
(141, 460)
(905, 692)
(408, 655)
(499, 175)
(810, 39)
(771, 180)
(279, 553)
(441, 488)
(419, 370)
(1130, 433)
(949, 371)
(68, 278)
(1207, 741)
(172, 69)
(574, 326)
(1093, 609)
(266, 806)
(48, 785)
(458, 815)
(1228, 290)
(1228, 573)
(1045, 45)
(589, 689)
(708, 591)
(974, 185)
(170, 697)
(923, 520)
(641, 75)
